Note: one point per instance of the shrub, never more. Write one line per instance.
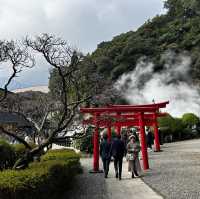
(166, 123)
(46, 179)
(60, 154)
(7, 155)
(177, 128)
(20, 149)
(180, 128)
(190, 119)
(171, 126)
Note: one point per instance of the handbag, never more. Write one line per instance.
(130, 156)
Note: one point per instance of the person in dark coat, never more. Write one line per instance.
(105, 153)
(117, 150)
(149, 139)
(125, 140)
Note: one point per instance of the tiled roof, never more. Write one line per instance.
(14, 118)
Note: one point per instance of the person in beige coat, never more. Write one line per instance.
(133, 149)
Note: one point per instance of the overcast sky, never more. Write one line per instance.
(83, 23)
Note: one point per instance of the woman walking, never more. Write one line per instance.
(133, 149)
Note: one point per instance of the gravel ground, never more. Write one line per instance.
(175, 172)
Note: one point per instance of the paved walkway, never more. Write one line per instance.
(94, 186)
(175, 172)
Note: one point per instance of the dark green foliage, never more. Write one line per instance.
(117, 71)
(175, 125)
(44, 180)
(166, 121)
(60, 154)
(7, 155)
(171, 125)
(179, 128)
(104, 64)
(190, 119)
(20, 149)
(85, 143)
(177, 30)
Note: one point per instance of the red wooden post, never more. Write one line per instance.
(143, 142)
(156, 134)
(96, 147)
(109, 133)
(118, 127)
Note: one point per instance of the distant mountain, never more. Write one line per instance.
(14, 84)
(43, 89)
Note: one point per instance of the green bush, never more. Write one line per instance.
(20, 149)
(166, 123)
(179, 128)
(60, 154)
(7, 155)
(190, 119)
(171, 126)
(46, 179)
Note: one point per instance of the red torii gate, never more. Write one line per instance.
(125, 115)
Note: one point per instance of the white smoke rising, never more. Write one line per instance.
(172, 83)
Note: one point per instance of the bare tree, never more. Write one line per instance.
(78, 83)
(60, 111)
(16, 57)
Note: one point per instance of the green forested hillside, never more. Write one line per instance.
(177, 30)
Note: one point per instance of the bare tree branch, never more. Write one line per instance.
(14, 135)
(78, 83)
(17, 57)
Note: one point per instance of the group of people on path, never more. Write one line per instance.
(117, 149)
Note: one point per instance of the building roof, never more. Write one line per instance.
(14, 118)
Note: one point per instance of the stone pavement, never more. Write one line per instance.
(175, 172)
(94, 186)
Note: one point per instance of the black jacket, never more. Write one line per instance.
(149, 138)
(118, 148)
(105, 149)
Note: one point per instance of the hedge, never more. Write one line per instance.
(60, 154)
(43, 180)
(20, 149)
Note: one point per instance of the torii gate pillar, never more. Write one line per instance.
(118, 127)
(96, 150)
(109, 133)
(143, 142)
(156, 133)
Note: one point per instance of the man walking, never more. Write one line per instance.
(105, 153)
(149, 137)
(117, 151)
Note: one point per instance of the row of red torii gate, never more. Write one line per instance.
(119, 116)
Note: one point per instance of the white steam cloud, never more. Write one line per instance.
(173, 83)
